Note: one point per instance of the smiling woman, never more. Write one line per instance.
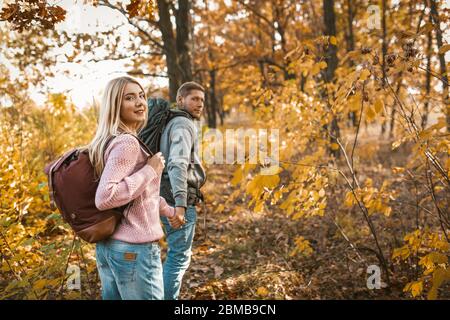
(128, 262)
(133, 111)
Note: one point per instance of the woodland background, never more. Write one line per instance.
(358, 90)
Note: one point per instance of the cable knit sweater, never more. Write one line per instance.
(127, 177)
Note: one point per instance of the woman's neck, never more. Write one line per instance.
(128, 129)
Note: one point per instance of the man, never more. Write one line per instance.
(180, 184)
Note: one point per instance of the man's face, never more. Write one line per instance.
(193, 103)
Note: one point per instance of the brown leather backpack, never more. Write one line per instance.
(72, 185)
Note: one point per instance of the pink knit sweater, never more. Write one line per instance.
(127, 177)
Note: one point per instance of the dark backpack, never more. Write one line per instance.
(72, 185)
(159, 115)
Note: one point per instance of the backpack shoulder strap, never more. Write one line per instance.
(141, 143)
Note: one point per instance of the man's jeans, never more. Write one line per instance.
(130, 271)
(179, 253)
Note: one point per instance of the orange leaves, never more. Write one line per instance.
(364, 75)
(260, 188)
(376, 201)
(141, 7)
(432, 250)
(414, 287)
(302, 246)
(26, 14)
(333, 40)
(444, 49)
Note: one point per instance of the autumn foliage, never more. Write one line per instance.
(361, 103)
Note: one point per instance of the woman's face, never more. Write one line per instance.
(134, 107)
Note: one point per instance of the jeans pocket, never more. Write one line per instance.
(123, 265)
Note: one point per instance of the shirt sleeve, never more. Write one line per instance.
(181, 140)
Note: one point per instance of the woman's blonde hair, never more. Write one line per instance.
(109, 121)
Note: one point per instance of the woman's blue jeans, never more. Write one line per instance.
(130, 271)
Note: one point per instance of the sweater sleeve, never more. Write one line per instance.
(118, 184)
(164, 209)
(181, 137)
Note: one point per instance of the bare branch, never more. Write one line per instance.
(145, 33)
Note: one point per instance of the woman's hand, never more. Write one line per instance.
(178, 219)
(157, 162)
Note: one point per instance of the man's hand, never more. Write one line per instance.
(178, 220)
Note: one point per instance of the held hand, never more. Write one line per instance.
(157, 162)
(178, 220)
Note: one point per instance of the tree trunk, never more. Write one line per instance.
(183, 26)
(350, 47)
(444, 78)
(212, 118)
(332, 62)
(330, 30)
(383, 61)
(427, 82)
(176, 46)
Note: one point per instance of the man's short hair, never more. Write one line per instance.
(187, 87)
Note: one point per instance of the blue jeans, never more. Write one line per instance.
(130, 271)
(179, 253)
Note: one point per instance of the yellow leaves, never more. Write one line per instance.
(350, 200)
(241, 172)
(414, 239)
(354, 102)
(333, 40)
(427, 27)
(237, 177)
(261, 182)
(219, 208)
(433, 263)
(374, 110)
(437, 241)
(378, 105)
(302, 246)
(38, 285)
(262, 292)
(398, 170)
(444, 49)
(430, 260)
(137, 7)
(415, 287)
(373, 199)
(440, 276)
(334, 146)
(322, 64)
(364, 75)
(403, 253)
(260, 188)
(370, 114)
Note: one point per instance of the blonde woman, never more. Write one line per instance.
(129, 262)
